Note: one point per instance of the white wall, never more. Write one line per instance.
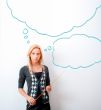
(74, 87)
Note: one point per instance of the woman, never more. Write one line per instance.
(38, 82)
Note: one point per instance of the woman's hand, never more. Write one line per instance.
(48, 88)
(31, 100)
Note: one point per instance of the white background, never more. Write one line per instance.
(73, 89)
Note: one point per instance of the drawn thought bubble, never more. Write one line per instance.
(79, 50)
(52, 16)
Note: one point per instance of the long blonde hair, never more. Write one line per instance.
(29, 55)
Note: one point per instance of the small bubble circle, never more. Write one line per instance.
(25, 31)
(28, 42)
(26, 37)
(49, 48)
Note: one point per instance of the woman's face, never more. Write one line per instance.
(35, 55)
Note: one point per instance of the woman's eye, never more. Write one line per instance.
(33, 53)
(36, 53)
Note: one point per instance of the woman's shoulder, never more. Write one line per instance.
(46, 67)
(24, 68)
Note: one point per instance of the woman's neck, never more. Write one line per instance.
(35, 63)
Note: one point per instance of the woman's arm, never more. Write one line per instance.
(23, 93)
(30, 99)
(48, 88)
(48, 85)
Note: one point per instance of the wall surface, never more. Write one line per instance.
(69, 33)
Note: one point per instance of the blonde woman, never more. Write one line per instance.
(38, 82)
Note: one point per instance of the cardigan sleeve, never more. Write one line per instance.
(47, 76)
(21, 79)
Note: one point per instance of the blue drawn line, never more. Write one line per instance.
(85, 35)
(96, 62)
(60, 33)
(69, 66)
(13, 15)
